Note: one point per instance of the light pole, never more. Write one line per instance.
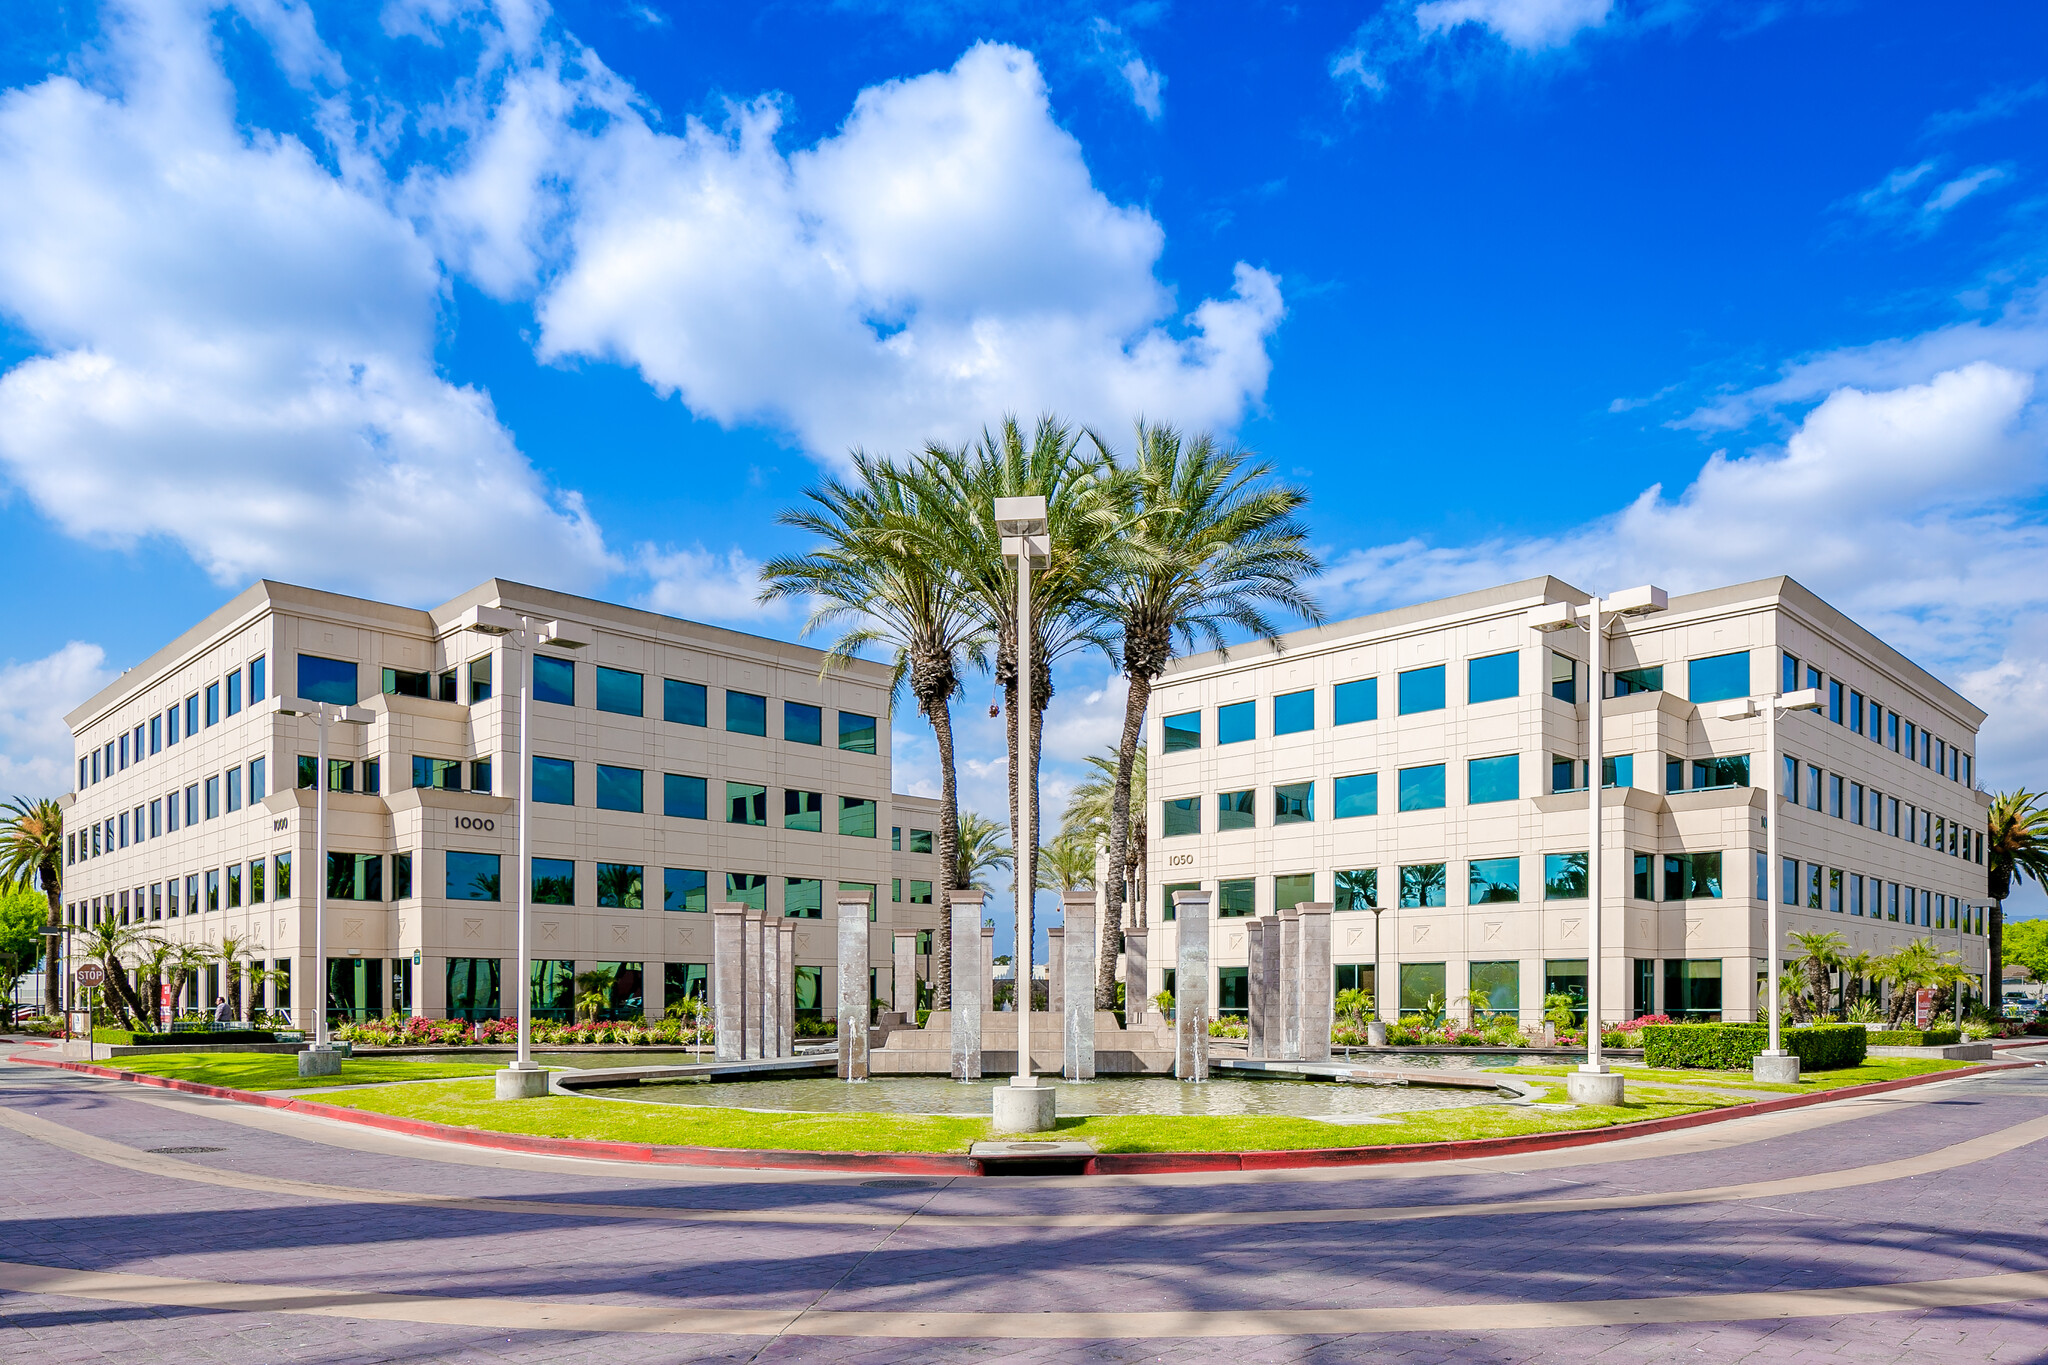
(1593, 1083)
(523, 1079)
(1774, 1064)
(1025, 1106)
(319, 1059)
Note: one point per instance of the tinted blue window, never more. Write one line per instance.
(554, 781)
(802, 724)
(1493, 677)
(746, 714)
(856, 732)
(554, 881)
(328, 680)
(1183, 731)
(256, 682)
(1352, 702)
(684, 797)
(1492, 779)
(1294, 712)
(472, 876)
(554, 680)
(234, 693)
(682, 702)
(683, 889)
(1183, 816)
(1422, 689)
(620, 788)
(1236, 723)
(620, 692)
(1719, 678)
(1357, 795)
(213, 703)
(1422, 788)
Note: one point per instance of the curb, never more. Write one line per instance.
(927, 1163)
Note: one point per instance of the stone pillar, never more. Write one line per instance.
(1077, 964)
(728, 981)
(1314, 975)
(785, 990)
(1191, 986)
(762, 1011)
(1056, 972)
(1256, 994)
(1269, 973)
(968, 1001)
(854, 999)
(1290, 983)
(903, 986)
(1137, 980)
(750, 1013)
(987, 954)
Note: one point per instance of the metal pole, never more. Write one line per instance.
(1772, 807)
(1027, 836)
(319, 982)
(1595, 771)
(524, 986)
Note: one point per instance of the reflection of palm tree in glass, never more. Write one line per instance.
(1358, 890)
(484, 886)
(554, 890)
(1567, 879)
(1423, 884)
(619, 884)
(594, 992)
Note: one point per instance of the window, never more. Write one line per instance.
(156, 735)
(1631, 680)
(1564, 677)
(1718, 678)
(1294, 803)
(554, 680)
(683, 797)
(1692, 988)
(171, 821)
(1496, 989)
(803, 810)
(171, 726)
(621, 886)
(1789, 667)
(1237, 898)
(1236, 810)
(448, 691)
(746, 714)
(1422, 885)
(682, 703)
(621, 788)
(1294, 712)
(401, 878)
(920, 841)
(747, 888)
(1855, 803)
(1356, 795)
(554, 781)
(620, 692)
(258, 686)
(554, 881)
(356, 877)
(479, 680)
(212, 710)
(1618, 771)
(683, 890)
(1358, 889)
(234, 776)
(1876, 730)
(328, 680)
(895, 838)
(856, 733)
(156, 816)
(1355, 701)
(1835, 698)
(745, 804)
(471, 877)
(1891, 730)
(122, 823)
(1421, 689)
(282, 864)
(1182, 816)
(1166, 894)
(1856, 893)
(1493, 677)
(213, 885)
(920, 893)
(1645, 888)
(1493, 779)
(1182, 732)
(212, 797)
(1494, 880)
(258, 776)
(1692, 876)
(803, 898)
(1856, 711)
(1813, 886)
(192, 707)
(123, 764)
(1422, 986)
(1712, 773)
(400, 683)
(445, 773)
(1236, 723)
(896, 890)
(1813, 786)
(1565, 773)
(857, 817)
(802, 724)
(1564, 876)
(1422, 788)
(1298, 888)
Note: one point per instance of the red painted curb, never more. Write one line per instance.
(922, 1163)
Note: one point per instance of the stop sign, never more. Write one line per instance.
(91, 974)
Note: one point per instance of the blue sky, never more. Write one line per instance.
(390, 299)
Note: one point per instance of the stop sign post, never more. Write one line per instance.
(90, 976)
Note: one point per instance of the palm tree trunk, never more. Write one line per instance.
(1135, 702)
(1996, 963)
(941, 718)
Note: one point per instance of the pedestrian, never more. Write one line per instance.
(220, 1009)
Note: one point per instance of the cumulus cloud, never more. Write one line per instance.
(238, 342)
(1439, 36)
(35, 744)
(701, 585)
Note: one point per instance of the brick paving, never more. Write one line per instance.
(64, 1209)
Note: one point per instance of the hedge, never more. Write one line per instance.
(191, 1039)
(1914, 1037)
(1732, 1047)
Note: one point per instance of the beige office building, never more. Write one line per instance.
(1424, 770)
(675, 766)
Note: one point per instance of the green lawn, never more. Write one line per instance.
(1866, 1072)
(280, 1071)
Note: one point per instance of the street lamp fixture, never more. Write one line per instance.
(319, 1059)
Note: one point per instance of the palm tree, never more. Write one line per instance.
(184, 963)
(983, 848)
(1088, 813)
(32, 848)
(233, 949)
(1819, 953)
(1857, 968)
(873, 579)
(111, 943)
(1211, 543)
(1907, 969)
(2015, 848)
(1067, 863)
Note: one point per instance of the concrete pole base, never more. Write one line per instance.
(1375, 1034)
(1026, 1108)
(319, 1061)
(1594, 1087)
(1782, 1069)
(522, 1083)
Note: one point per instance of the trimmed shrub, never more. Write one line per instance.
(1732, 1047)
(177, 1040)
(1914, 1037)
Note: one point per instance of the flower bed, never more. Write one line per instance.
(416, 1032)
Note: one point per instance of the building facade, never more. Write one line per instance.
(1424, 770)
(675, 766)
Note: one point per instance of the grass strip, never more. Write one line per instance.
(280, 1071)
(1865, 1073)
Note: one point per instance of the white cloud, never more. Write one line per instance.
(1146, 86)
(35, 744)
(238, 343)
(701, 585)
(1432, 37)
(1904, 197)
(1526, 25)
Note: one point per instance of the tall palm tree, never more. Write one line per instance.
(1819, 953)
(1066, 863)
(32, 847)
(872, 579)
(983, 848)
(1212, 542)
(2015, 848)
(1088, 812)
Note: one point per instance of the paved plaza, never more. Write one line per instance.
(144, 1225)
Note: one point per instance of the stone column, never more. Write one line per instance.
(854, 1000)
(1191, 986)
(785, 990)
(728, 980)
(987, 954)
(1269, 974)
(1056, 971)
(903, 988)
(763, 1009)
(1290, 983)
(1256, 994)
(750, 1013)
(1077, 964)
(1137, 979)
(1314, 975)
(968, 1001)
